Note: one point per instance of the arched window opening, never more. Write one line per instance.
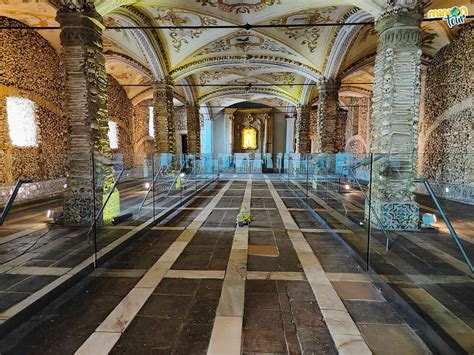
(151, 122)
(113, 135)
(21, 116)
(249, 138)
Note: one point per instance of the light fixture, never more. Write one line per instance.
(65, 186)
(347, 186)
(428, 220)
(447, 189)
(49, 214)
(147, 185)
(182, 174)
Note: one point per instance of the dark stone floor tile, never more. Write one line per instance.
(292, 343)
(264, 341)
(148, 333)
(182, 287)
(193, 339)
(306, 314)
(260, 286)
(118, 286)
(297, 290)
(202, 311)
(8, 299)
(372, 312)
(316, 341)
(209, 289)
(262, 319)
(33, 284)
(262, 301)
(170, 306)
(9, 280)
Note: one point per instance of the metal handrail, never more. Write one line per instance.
(176, 178)
(160, 171)
(114, 186)
(446, 220)
(12, 198)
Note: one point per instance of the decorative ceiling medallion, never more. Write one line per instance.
(282, 78)
(239, 6)
(176, 18)
(245, 41)
(307, 35)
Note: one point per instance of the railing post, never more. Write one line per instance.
(369, 227)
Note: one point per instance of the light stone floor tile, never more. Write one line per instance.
(119, 319)
(446, 319)
(276, 275)
(263, 250)
(22, 233)
(164, 228)
(99, 344)
(227, 339)
(356, 291)
(196, 274)
(351, 344)
(118, 272)
(232, 299)
(226, 336)
(340, 322)
(349, 277)
(36, 270)
(379, 336)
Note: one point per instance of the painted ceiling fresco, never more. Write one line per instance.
(230, 56)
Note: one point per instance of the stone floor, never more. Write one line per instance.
(425, 268)
(197, 284)
(35, 255)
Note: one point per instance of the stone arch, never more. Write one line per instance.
(277, 63)
(242, 91)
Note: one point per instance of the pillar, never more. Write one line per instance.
(164, 118)
(328, 110)
(229, 130)
(340, 137)
(303, 142)
(194, 129)
(290, 133)
(395, 117)
(86, 110)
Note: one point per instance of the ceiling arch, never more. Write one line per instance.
(245, 91)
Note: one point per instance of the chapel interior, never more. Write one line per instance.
(236, 177)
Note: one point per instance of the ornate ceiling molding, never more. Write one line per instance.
(243, 91)
(342, 41)
(149, 40)
(246, 60)
(119, 57)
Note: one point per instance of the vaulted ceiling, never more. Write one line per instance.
(228, 62)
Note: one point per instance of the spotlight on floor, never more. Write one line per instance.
(147, 185)
(52, 214)
(428, 219)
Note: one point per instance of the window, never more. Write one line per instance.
(22, 122)
(113, 135)
(249, 138)
(151, 123)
